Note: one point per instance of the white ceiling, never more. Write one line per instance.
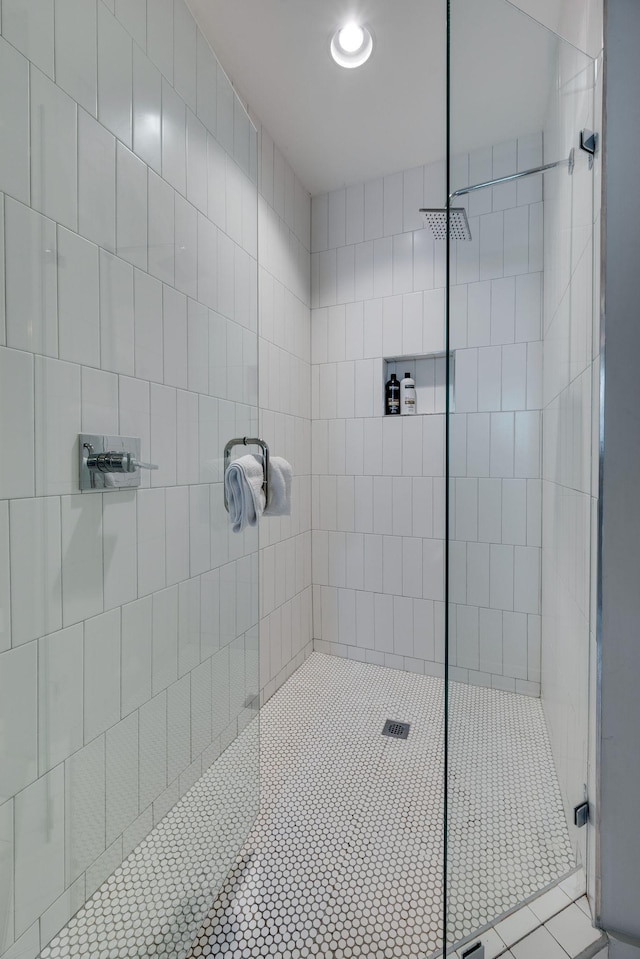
(338, 126)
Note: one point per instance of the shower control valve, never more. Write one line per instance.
(110, 462)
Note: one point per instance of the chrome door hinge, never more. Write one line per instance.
(589, 143)
(581, 814)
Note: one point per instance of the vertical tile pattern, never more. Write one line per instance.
(78, 300)
(29, 27)
(284, 288)
(84, 808)
(75, 51)
(19, 756)
(131, 207)
(115, 83)
(378, 293)
(147, 100)
(82, 573)
(121, 777)
(136, 655)
(115, 185)
(39, 847)
(5, 579)
(6, 871)
(54, 172)
(57, 424)
(36, 588)
(14, 103)
(60, 695)
(102, 673)
(17, 426)
(31, 280)
(96, 182)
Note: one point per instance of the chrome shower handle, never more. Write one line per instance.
(115, 462)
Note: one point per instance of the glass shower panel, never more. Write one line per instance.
(129, 674)
(520, 322)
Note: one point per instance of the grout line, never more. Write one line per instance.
(594, 950)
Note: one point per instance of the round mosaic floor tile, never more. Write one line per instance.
(155, 902)
(353, 821)
(344, 859)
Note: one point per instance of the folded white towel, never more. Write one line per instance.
(243, 481)
(280, 473)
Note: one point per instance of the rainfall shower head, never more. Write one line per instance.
(457, 215)
(458, 223)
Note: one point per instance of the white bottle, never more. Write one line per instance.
(407, 395)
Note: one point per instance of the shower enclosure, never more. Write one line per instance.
(437, 570)
(520, 480)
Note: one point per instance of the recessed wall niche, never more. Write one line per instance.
(430, 373)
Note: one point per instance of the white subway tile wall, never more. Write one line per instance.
(284, 284)
(129, 223)
(377, 287)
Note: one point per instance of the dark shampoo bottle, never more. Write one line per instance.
(392, 396)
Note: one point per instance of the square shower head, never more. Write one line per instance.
(458, 223)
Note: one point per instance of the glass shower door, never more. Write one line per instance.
(519, 478)
(129, 679)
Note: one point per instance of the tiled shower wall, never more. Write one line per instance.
(284, 238)
(570, 454)
(128, 304)
(378, 282)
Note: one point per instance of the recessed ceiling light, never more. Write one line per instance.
(351, 37)
(351, 45)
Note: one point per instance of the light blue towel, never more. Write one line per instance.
(245, 496)
(280, 473)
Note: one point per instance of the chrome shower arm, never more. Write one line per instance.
(515, 176)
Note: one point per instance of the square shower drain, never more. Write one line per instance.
(396, 729)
